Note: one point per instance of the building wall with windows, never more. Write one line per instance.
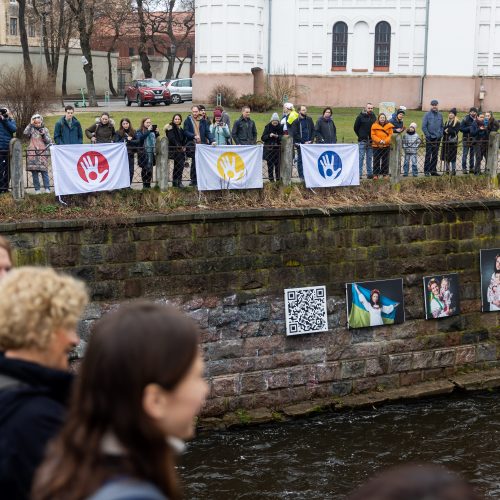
(344, 52)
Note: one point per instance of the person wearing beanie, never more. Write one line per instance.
(397, 121)
(219, 130)
(411, 143)
(271, 137)
(450, 142)
(467, 140)
(38, 152)
(289, 116)
(325, 129)
(432, 127)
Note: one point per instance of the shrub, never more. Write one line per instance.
(282, 84)
(258, 103)
(24, 100)
(227, 93)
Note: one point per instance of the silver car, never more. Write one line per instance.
(181, 90)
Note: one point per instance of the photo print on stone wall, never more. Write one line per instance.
(305, 310)
(441, 296)
(375, 303)
(490, 279)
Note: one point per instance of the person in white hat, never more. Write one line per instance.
(289, 116)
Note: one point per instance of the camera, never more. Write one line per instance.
(154, 127)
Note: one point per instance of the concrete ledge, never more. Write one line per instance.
(476, 381)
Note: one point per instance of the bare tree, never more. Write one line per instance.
(143, 38)
(172, 28)
(85, 14)
(66, 46)
(28, 67)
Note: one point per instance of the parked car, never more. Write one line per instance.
(147, 91)
(165, 82)
(181, 90)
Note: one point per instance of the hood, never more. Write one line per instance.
(167, 127)
(111, 122)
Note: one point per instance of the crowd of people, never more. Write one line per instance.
(112, 432)
(373, 133)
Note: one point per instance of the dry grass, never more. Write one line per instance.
(117, 207)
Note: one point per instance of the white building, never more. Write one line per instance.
(345, 52)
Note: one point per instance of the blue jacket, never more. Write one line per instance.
(432, 125)
(65, 135)
(398, 125)
(7, 130)
(146, 141)
(32, 409)
(205, 135)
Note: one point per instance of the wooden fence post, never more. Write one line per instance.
(162, 163)
(286, 160)
(16, 168)
(395, 159)
(492, 161)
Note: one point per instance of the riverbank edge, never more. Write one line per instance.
(468, 382)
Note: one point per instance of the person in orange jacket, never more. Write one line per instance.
(381, 142)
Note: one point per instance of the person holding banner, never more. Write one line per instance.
(219, 130)
(103, 130)
(325, 129)
(126, 134)
(273, 132)
(176, 149)
(68, 129)
(197, 131)
(146, 139)
(362, 129)
(303, 133)
(381, 142)
(244, 129)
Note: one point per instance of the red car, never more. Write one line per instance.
(146, 91)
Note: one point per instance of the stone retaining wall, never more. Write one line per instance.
(229, 270)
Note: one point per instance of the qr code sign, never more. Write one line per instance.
(305, 310)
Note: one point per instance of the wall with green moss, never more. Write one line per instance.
(229, 270)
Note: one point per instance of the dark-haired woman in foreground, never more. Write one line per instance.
(140, 387)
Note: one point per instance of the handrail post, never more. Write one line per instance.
(395, 159)
(286, 160)
(162, 163)
(16, 168)
(492, 159)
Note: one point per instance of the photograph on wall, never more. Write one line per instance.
(441, 296)
(375, 303)
(305, 310)
(490, 279)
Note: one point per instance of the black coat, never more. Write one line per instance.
(176, 140)
(32, 408)
(450, 141)
(363, 126)
(301, 128)
(271, 150)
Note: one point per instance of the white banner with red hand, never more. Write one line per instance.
(85, 168)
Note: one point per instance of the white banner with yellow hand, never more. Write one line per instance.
(229, 167)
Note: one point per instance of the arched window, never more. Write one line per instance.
(339, 47)
(382, 46)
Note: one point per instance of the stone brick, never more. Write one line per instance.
(373, 367)
(150, 250)
(172, 231)
(422, 360)
(277, 379)
(133, 288)
(64, 256)
(313, 356)
(141, 233)
(226, 349)
(340, 389)
(410, 378)
(486, 352)
(445, 357)
(357, 351)
(465, 355)
(200, 316)
(434, 374)
(364, 385)
(327, 372)
(400, 362)
(254, 312)
(120, 252)
(288, 359)
(95, 236)
(388, 382)
(225, 386)
(353, 369)
(253, 382)
(298, 375)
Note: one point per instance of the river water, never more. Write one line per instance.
(326, 456)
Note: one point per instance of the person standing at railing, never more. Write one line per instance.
(381, 142)
(146, 140)
(432, 127)
(103, 130)
(126, 134)
(273, 132)
(362, 129)
(303, 133)
(7, 130)
(411, 143)
(450, 142)
(244, 129)
(325, 130)
(68, 129)
(397, 121)
(38, 152)
(467, 140)
(176, 148)
(484, 124)
(219, 130)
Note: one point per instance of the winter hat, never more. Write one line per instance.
(401, 111)
(473, 109)
(37, 115)
(288, 105)
(434, 102)
(217, 113)
(454, 111)
(402, 108)
(275, 117)
(413, 125)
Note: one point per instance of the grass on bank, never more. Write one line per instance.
(161, 115)
(117, 207)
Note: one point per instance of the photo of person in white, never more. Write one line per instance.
(374, 307)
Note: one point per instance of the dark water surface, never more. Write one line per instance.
(325, 457)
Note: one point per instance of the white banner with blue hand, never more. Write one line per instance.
(330, 165)
(228, 167)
